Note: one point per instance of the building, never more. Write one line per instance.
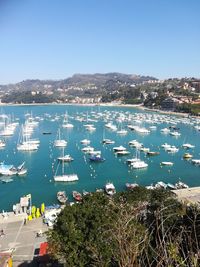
(169, 103)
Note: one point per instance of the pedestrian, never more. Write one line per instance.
(2, 232)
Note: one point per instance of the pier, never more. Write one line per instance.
(189, 195)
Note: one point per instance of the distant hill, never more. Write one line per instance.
(98, 81)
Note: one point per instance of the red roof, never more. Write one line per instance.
(43, 249)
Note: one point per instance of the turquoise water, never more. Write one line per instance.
(41, 164)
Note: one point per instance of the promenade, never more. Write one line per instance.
(19, 238)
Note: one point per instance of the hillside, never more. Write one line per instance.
(97, 81)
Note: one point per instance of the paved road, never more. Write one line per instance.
(20, 238)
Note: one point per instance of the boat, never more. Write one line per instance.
(87, 149)
(97, 158)
(171, 186)
(181, 185)
(119, 148)
(110, 189)
(60, 142)
(77, 196)
(85, 142)
(152, 153)
(187, 156)
(5, 181)
(21, 170)
(139, 164)
(176, 134)
(46, 133)
(196, 161)
(66, 124)
(161, 185)
(108, 141)
(65, 158)
(2, 144)
(7, 170)
(167, 163)
(122, 153)
(166, 146)
(188, 146)
(61, 196)
(172, 149)
(65, 177)
(131, 186)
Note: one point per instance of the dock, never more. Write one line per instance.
(188, 195)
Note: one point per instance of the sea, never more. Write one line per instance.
(42, 164)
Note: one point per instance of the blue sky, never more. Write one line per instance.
(53, 39)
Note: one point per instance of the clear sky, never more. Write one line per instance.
(53, 39)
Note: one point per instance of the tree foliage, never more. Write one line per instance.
(132, 229)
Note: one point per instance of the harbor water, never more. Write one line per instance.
(42, 164)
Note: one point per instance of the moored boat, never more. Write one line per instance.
(61, 196)
(77, 196)
(110, 189)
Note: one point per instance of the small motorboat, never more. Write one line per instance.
(77, 196)
(167, 163)
(61, 196)
(187, 156)
(152, 153)
(97, 158)
(110, 189)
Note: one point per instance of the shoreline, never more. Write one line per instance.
(137, 106)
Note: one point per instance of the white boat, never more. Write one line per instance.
(167, 163)
(139, 164)
(161, 185)
(122, 153)
(187, 146)
(7, 170)
(196, 161)
(66, 178)
(60, 142)
(119, 148)
(87, 149)
(165, 146)
(176, 134)
(172, 149)
(181, 185)
(2, 144)
(110, 189)
(108, 141)
(85, 142)
(66, 124)
(65, 158)
(21, 170)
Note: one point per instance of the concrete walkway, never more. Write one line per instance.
(21, 238)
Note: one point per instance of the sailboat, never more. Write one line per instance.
(64, 177)
(66, 124)
(60, 142)
(65, 158)
(26, 144)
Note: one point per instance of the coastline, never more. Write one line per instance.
(137, 106)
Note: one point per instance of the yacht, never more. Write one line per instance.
(139, 164)
(181, 185)
(187, 156)
(66, 178)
